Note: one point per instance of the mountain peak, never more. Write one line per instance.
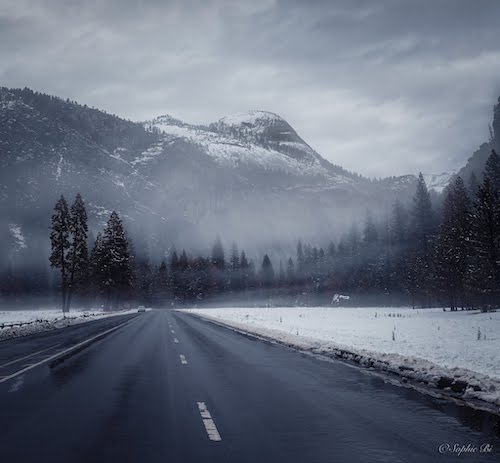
(256, 125)
(251, 118)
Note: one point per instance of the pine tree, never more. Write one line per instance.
(452, 248)
(142, 279)
(183, 277)
(290, 271)
(300, 258)
(473, 185)
(117, 268)
(78, 256)
(97, 265)
(235, 258)
(398, 252)
(423, 215)
(234, 269)
(370, 234)
(332, 251)
(243, 260)
(423, 224)
(59, 238)
(492, 170)
(484, 268)
(353, 240)
(282, 274)
(175, 277)
(218, 254)
(161, 284)
(267, 272)
(399, 225)
(218, 267)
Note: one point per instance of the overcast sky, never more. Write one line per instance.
(379, 87)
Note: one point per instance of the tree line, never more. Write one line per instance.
(419, 254)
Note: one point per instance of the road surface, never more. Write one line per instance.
(169, 387)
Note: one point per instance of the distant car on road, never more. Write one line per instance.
(141, 308)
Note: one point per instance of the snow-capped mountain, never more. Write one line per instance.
(256, 139)
(248, 176)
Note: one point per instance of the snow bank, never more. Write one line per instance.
(455, 351)
(33, 321)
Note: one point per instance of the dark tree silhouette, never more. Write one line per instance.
(60, 241)
(78, 255)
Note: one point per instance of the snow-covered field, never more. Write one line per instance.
(418, 344)
(46, 319)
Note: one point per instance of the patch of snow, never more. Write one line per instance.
(438, 182)
(100, 210)
(150, 153)
(118, 181)
(7, 105)
(59, 166)
(117, 154)
(46, 319)
(17, 234)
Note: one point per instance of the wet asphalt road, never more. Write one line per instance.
(169, 387)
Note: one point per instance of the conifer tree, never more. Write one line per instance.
(423, 215)
(161, 284)
(290, 271)
(423, 223)
(370, 233)
(60, 242)
(78, 256)
(245, 271)
(234, 269)
(331, 251)
(300, 258)
(282, 274)
(175, 274)
(452, 248)
(218, 254)
(117, 268)
(267, 272)
(184, 270)
(484, 267)
(97, 265)
(473, 185)
(142, 279)
(235, 258)
(492, 170)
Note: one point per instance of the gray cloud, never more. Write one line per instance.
(385, 87)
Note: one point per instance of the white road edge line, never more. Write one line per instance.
(183, 359)
(213, 433)
(28, 356)
(58, 354)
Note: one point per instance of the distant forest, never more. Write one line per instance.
(418, 256)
